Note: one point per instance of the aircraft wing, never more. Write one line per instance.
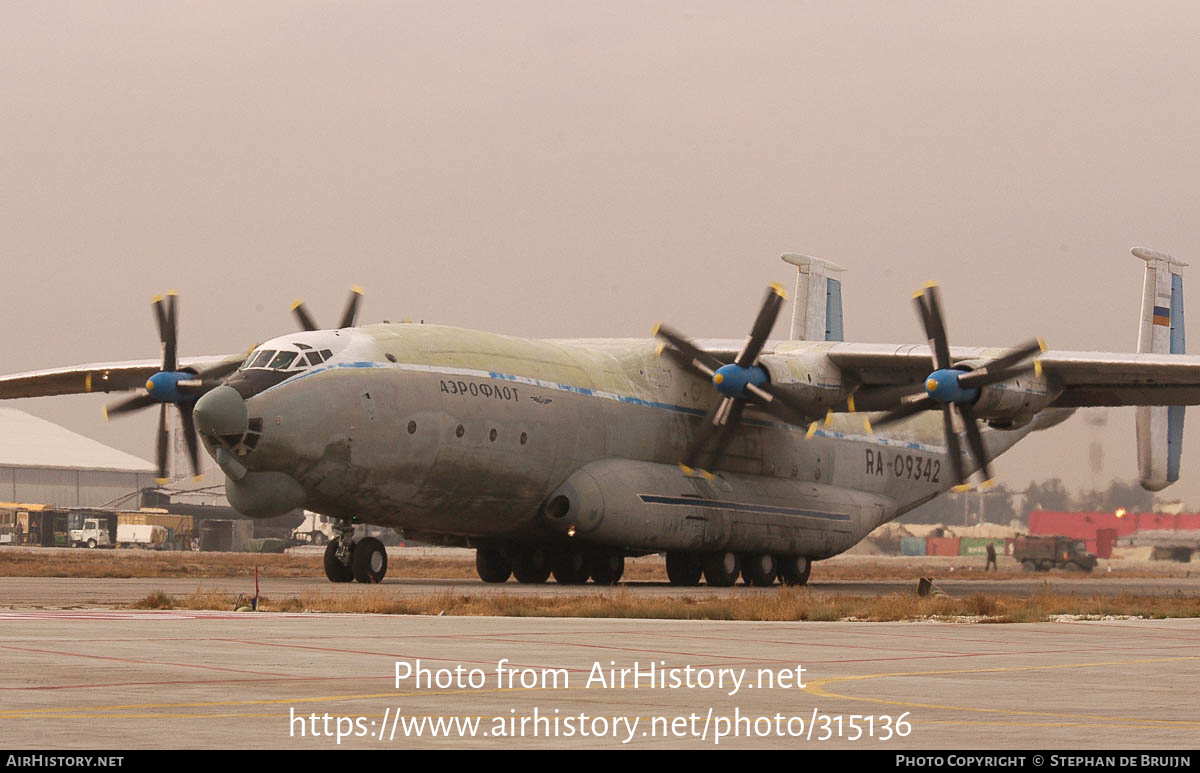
(98, 376)
(1087, 378)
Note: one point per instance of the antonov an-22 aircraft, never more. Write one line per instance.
(563, 457)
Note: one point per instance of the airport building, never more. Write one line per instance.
(41, 462)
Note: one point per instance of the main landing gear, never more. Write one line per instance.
(364, 560)
(722, 568)
(533, 565)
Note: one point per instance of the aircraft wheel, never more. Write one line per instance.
(684, 569)
(368, 560)
(721, 569)
(531, 567)
(335, 570)
(570, 567)
(319, 538)
(759, 569)
(606, 568)
(492, 565)
(794, 570)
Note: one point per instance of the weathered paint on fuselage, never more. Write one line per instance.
(467, 433)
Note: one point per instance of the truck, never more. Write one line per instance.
(93, 534)
(1045, 553)
(181, 530)
(131, 535)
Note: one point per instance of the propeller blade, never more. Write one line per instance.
(726, 434)
(164, 314)
(904, 410)
(975, 441)
(692, 356)
(350, 315)
(935, 328)
(1001, 368)
(709, 427)
(982, 378)
(303, 317)
(953, 446)
(162, 442)
(220, 370)
(190, 436)
(779, 403)
(129, 404)
(762, 326)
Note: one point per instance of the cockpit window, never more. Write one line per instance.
(314, 358)
(282, 360)
(262, 359)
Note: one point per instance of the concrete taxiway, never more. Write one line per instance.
(124, 679)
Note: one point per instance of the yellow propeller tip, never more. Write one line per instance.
(686, 470)
(828, 418)
(657, 326)
(357, 290)
(161, 481)
(962, 487)
(659, 350)
(296, 304)
(850, 404)
(172, 292)
(1041, 343)
(812, 430)
(198, 476)
(156, 299)
(1037, 368)
(104, 411)
(778, 290)
(930, 283)
(867, 426)
(987, 484)
(707, 475)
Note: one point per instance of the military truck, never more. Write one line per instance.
(1045, 553)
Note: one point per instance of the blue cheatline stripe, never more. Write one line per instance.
(626, 399)
(717, 504)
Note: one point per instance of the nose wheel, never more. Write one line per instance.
(364, 560)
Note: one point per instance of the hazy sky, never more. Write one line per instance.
(589, 168)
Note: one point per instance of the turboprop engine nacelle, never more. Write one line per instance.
(809, 378)
(1013, 403)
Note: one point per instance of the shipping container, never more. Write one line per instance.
(912, 546)
(941, 546)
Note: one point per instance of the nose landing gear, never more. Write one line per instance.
(364, 560)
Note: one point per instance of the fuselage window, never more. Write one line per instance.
(326, 353)
(282, 360)
(262, 359)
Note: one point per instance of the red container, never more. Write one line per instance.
(942, 546)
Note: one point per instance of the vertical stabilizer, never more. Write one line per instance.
(1160, 428)
(817, 305)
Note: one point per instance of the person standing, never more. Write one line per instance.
(991, 555)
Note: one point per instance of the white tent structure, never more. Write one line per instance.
(41, 462)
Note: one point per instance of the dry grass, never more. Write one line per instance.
(455, 565)
(788, 604)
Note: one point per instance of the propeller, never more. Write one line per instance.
(172, 385)
(349, 315)
(954, 391)
(739, 383)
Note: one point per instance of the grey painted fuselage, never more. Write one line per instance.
(466, 433)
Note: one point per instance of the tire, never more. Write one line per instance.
(91, 544)
(1073, 567)
(759, 569)
(531, 566)
(319, 538)
(1029, 565)
(606, 568)
(721, 569)
(492, 565)
(1045, 566)
(335, 570)
(684, 569)
(793, 570)
(368, 560)
(570, 567)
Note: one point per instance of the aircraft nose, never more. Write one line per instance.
(221, 413)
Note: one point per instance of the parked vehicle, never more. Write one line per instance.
(1045, 553)
(93, 534)
(131, 535)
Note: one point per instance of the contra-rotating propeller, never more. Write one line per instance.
(955, 390)
(349, 315)
(172, 385)
(739, 382)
